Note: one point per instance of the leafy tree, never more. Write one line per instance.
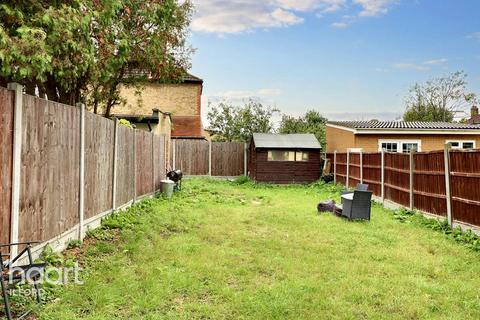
(237, 123)
(311, 122)
(439, 99)
(72, 50)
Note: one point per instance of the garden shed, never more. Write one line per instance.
(284, 158)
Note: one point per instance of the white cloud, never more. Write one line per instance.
(475, 36)
(340, 25)
(239, 95)
(237, 16)
(411, 66)
(424, 66)
(371, 8)
(436, 61)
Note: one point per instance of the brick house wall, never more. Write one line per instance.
(180, 99)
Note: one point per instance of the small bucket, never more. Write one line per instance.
(166, 188)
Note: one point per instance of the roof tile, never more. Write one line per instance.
(415, 125)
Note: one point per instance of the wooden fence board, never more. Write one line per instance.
(372, 172)
(397, 178)
(429, 183)
(227, 158)
(99, 140)
(144, 162)
(465, 188)
(6, 154)
(50, 169)
(125, 165)
(191, 156)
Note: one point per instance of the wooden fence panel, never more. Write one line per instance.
(228, 158)
(191, 156)
(144, 162)
(99, 144)
(465, 182)
(354, 170)
(125, 166)
(159, 160)
(429, 183)
(6, 154)
(397, 178)
(341, 168)
(50, 169)
(372, 172)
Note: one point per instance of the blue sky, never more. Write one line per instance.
(349, 59)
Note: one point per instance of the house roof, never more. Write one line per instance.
(187, 127)
(403, 125)
(286, 141)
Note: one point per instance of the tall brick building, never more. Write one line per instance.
(173, 109)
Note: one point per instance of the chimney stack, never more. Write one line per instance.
(474, 111)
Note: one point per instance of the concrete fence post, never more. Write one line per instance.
(382, 174)
(153, 163)
(348, 168)
(335, 166)
(81, 202)
(115, 154)
(361, 166)
(134, 165)
(245, 159)
(412, 171)
(174, 153)
(210, 158)
(16, 166)
(447, 184)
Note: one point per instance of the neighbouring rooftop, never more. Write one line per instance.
(404, 125)
(286, 141)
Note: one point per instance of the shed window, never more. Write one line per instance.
(403, 146)
(280, 155)
(301, 156)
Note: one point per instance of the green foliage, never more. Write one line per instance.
(311, 122)
(467, 238)
(72, 244)
(72, 51)
(237, 123)
(242, 180)
(51, 257)
(125, 123)
(440, 99)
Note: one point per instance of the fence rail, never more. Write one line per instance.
(70, 167)
(207, 158)
(443, 183)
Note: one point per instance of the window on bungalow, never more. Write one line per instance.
(462, 144)
(390, 146)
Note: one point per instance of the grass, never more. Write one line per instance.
(221, 250)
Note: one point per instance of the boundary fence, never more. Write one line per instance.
(207, 158)
(63, 169)
(444, 183)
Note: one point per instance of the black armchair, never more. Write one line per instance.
(356, 205)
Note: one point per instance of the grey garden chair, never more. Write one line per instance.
(356, 205)
(360, 187)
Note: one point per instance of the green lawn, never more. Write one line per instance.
(224, 251)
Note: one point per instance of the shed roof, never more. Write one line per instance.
(286, 141)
